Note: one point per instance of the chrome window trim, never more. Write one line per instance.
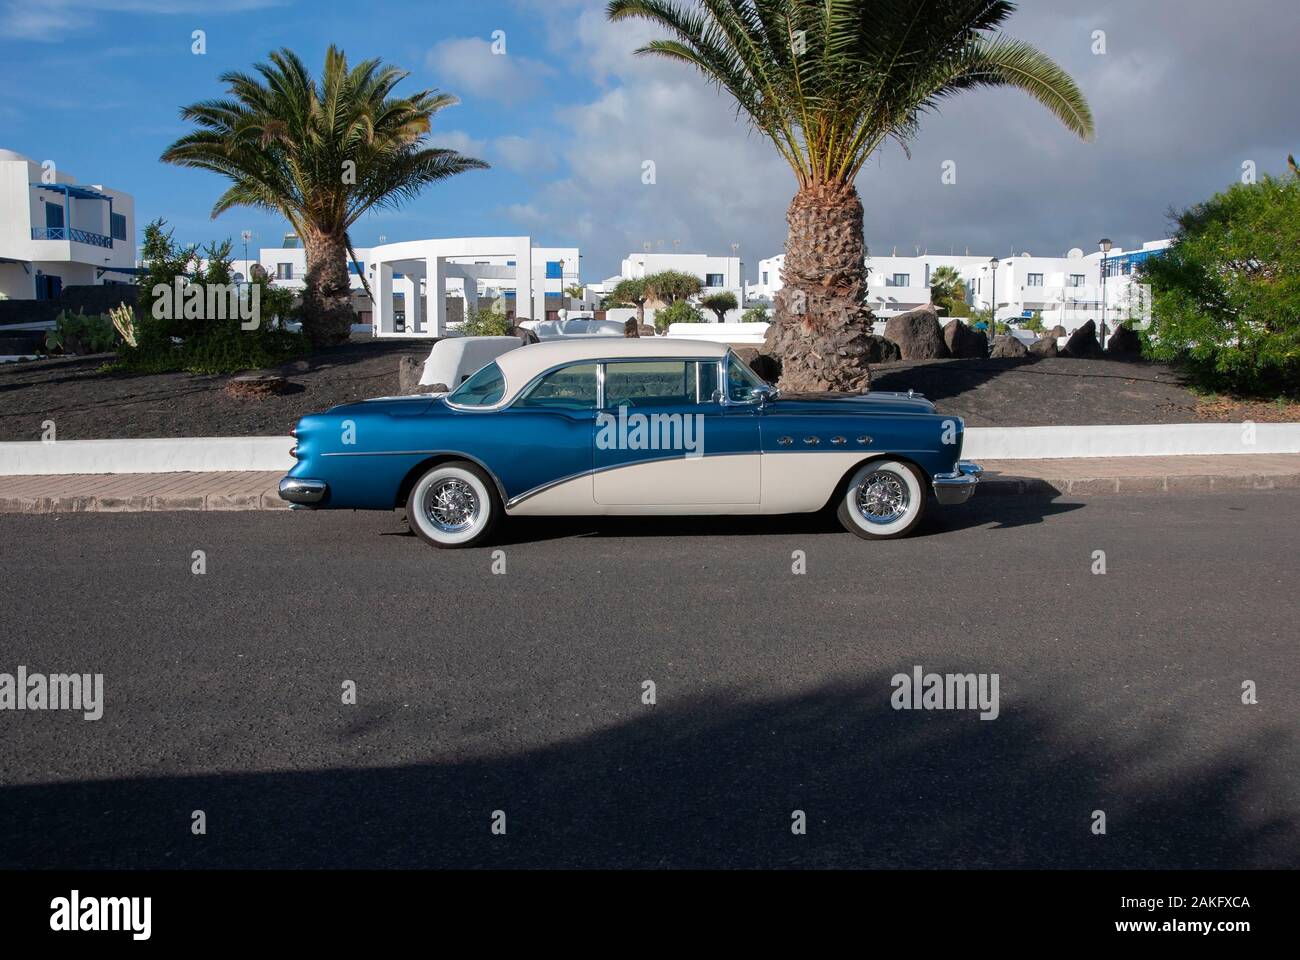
(722, 382)
(505, 392)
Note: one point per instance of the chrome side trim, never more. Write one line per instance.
(957, 486)
(297, 490)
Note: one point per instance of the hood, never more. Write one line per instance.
(873, 402)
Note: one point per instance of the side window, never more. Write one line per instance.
(740, 380)
(570, 388)
(650, 383)
(483, 389)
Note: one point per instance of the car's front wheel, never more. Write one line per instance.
(453, 504)
(884, 500)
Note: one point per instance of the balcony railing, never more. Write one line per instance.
(72, 233)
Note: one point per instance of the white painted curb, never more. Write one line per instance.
(231, 454)
(174, 455)
(1130, 440)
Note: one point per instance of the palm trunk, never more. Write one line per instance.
(327, 314)
(821, 331)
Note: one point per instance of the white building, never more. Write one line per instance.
(717, 275)
(1063, 290)
(467, 268)
(56, 232)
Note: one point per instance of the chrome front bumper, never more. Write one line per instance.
(956, 487)
(303, 492)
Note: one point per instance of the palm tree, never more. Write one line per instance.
(320, 153)
(947, 289)
(720, 303)
(630, 292)
(669, 286)
(829, 82)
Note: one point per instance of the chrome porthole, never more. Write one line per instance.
(882, 497)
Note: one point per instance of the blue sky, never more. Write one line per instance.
(1184, 94)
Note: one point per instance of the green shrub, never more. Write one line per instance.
(168, 341)
(680, 311)
(486, 323)
(755, 315)
(1226, 295)
(81, 334)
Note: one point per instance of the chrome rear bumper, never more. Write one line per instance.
(300, 491)
(956, 487)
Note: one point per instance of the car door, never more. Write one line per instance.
(665, 438)
(542, 441)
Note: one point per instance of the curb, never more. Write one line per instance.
(1003, 486)
(215, 502)
(272, 454)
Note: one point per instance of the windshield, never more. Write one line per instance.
(483, 389)
(740, 380)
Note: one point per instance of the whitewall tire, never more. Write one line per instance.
(453, 504)
(883, 500)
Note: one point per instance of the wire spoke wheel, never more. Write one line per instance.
(882, 497)
(451, 505)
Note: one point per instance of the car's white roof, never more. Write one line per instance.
(521, 366)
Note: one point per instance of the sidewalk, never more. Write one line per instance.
(1127, 476)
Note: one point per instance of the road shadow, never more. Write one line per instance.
(996, 513)
(701, 782)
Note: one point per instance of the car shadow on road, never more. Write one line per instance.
(997, 513)
(709, 781)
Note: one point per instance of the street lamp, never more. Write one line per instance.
(1105, 245)
(993, 304)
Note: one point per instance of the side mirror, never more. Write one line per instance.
(763, 395)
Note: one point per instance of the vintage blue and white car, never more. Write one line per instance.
(628, 426)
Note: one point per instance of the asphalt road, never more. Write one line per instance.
(522, 692)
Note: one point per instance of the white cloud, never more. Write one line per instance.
(524, 154)
(467, 65)
(458, 140)
(52, 20)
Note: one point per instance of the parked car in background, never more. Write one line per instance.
(632, 427)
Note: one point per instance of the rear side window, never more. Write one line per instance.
(570, 388)
(659, 383)
(483, 389)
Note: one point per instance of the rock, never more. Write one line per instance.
(880, 350)
(962, 341)
(1056, 331)
(1045, 347)
(1124, 343)
(256, 386)
(410, 367)
(1083, 344)
(1007, 346)
(524, 334)
(917, 334)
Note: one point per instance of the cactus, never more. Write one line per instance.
(123, 318)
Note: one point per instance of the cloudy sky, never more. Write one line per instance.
(1184, 94)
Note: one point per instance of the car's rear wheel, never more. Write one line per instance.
(883, 500)
(453, 504)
